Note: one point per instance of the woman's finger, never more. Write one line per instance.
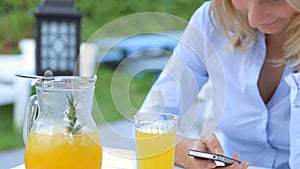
(195, 163)
(236, 156)
(212, 143)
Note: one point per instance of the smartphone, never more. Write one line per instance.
(220, 160)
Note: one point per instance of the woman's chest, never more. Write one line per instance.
(241, 110)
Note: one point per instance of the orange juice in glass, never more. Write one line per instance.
(155, 140)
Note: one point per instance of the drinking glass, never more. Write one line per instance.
(155, 140)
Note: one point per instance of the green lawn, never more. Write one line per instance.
(105, 107)
(9, 137)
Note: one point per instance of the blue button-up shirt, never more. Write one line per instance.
(262, 133)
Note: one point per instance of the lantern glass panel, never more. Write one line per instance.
(58, 45)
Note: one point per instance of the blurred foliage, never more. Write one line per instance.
(100, 12)
(17, 22)
(17, 17)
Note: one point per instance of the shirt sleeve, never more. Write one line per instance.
(185, 73)
(294, 82)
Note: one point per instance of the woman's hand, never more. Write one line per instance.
(208, 143)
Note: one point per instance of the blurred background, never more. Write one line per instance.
(17, 23)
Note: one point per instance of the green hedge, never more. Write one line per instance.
(17, 20)
(16, 23)
(99, 12)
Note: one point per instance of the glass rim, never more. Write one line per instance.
(173, 116)
(84, 82)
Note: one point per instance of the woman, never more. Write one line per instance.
(250, 49)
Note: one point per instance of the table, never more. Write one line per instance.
(119, 159)
(114, 159)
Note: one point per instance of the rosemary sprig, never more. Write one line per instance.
(73, 126)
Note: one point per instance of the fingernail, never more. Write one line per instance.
(248, 164)
(237, 155)
(211, 165)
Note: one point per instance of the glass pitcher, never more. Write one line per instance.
(59, 130)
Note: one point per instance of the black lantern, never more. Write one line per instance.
(57, 36)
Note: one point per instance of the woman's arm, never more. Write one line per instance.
(294, 82)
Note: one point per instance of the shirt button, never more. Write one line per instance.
(264, 115)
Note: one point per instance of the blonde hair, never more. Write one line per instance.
(295, 4)
(242, 36)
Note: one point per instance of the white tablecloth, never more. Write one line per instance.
(107, 167)
(119, 159)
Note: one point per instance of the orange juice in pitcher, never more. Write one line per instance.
(59, 130)
(62, 151)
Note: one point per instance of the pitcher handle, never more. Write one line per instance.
(30, 116)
